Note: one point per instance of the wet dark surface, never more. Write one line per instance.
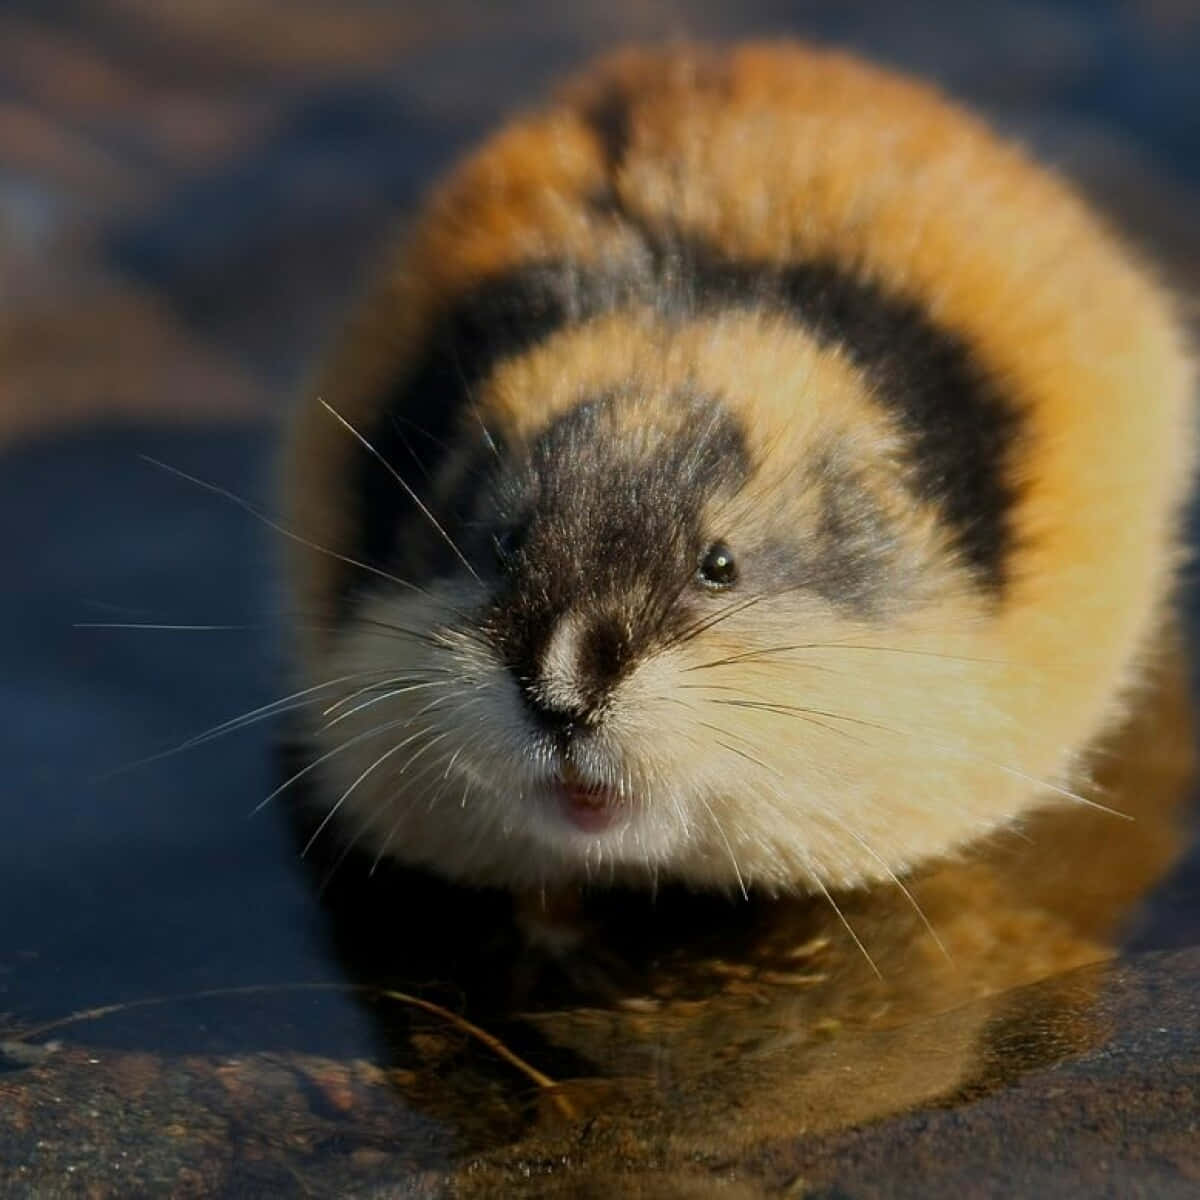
(187, 195)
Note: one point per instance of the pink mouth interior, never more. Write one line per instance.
(589, 808)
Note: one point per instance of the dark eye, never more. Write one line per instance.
(717, 568)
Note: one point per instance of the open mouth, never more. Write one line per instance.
(590, 807)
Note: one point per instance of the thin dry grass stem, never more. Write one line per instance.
(493, 1043)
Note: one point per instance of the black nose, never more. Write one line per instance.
(561, 723)
(604, 655)
(566, 697)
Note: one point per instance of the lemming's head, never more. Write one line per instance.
(651, 619)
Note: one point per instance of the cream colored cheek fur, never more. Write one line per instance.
(436, 764)
(843, 760)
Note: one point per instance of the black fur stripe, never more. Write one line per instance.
(961, 425)
(500, 319)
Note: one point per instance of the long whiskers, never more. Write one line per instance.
(811, 715)
(912, 900)
(234, 724)
(387, 754)
(708, 622)
(388, 695)
(438, 638)
(340, 748)
(403, 722)
(770, 652)
(446, 764)
(284, 531)
(737, 872)
(841, 916)
(956, 751)
(165, 628)
(824, 890)
(404, 484)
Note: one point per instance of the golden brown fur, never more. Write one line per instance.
(959, 711)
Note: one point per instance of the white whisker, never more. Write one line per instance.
(233, 725)
(282, 530)
(168, 628)
(374, 766)
(389, 695)
(403, 483)
(848, 927)
(374, 731)
(956, 751)
(899, 883)
(732, 857)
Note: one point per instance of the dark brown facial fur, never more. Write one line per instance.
(961, 429)
(608, 527)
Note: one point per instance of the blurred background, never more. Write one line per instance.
(189, 192)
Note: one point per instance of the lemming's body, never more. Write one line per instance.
(749, 471)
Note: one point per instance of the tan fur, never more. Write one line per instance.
(782, 154)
